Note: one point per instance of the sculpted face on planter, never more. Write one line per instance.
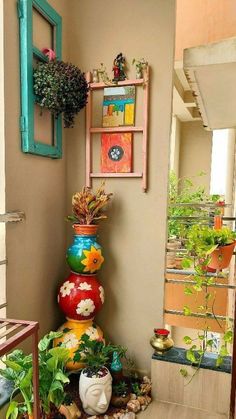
(95, 393)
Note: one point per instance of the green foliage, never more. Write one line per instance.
(88, 207)
(183, 191)
(95, 353)
(62, 88)
(203, 240)
(136, 388)
(120, 389)
(52, 376)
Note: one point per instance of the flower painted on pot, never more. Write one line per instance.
(70, 341)
(85, 298)
(85, 254)
(85, 307)
(84, 286)
(102, 294)
(66, 288)
(72, 332)
(92, 332)
(93, 261)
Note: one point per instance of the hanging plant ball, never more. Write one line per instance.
(80, 297)
(62, 88)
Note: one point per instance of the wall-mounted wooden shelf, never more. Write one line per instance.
(143, 129)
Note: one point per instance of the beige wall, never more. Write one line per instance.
(200, 22)
(37, 186)
(134, 236)
(195, 152)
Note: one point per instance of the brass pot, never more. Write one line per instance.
(161, 342)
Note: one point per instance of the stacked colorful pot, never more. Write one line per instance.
(81, 295)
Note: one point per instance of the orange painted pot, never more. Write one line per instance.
(221, 257)
(85, 230)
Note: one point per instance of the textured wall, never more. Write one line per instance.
(134, 235)
(37, 186)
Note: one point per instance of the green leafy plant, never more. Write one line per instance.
(140, 64)
(52, 377)
(62, 88)
(201, 242)
(88, 206)
(96, 354)
(120, 389)
(183, 193)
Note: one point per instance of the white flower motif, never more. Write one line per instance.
(66, 288)
(92, 333)
(84, 286)
(85, 307)
(70, 341)
(102, 294)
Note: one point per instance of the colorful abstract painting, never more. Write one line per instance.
(116, 153)
(118, 106)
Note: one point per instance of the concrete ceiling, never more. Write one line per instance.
(184, 106)
(211, 73)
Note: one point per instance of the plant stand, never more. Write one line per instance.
(22, 329)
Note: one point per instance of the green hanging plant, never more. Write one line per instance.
(62, 88)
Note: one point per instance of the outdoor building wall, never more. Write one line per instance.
(195, 153)
(37, 186)
(200, 22)
(134, 235)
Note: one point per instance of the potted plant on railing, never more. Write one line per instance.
(85, 254)
(202, 242)
(61, 88)
(214, 247)
(95, 384)
(52, 379)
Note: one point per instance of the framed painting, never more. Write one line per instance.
(32, 141)
(116, 153)
(118, 106)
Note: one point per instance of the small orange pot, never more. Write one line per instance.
(221, 257)
(85, 230)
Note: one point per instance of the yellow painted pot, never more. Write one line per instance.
(72, 332)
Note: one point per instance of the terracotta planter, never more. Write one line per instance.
(120, 401)
(85, 230)
(80, 297)
(72, 332)
(221, 257)
(84, 256)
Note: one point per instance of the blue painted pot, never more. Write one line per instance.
(84, 256)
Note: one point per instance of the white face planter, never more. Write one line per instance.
(95, 393)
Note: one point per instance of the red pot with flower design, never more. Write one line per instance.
(80, 297)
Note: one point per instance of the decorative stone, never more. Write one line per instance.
(148, 399)
(146, 380)
(145, 388)
(134, 406)
(130, 415)
(133, 396)
(142, 400)
(144, 407)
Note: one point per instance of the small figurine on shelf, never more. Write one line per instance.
(118, 68)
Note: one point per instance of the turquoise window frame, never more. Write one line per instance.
(27, 52)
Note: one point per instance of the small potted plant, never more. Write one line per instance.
(141, 66)
(120, 394)
(85, 254)
(95, 384)
(213, 246)
(52, 379)
(60, 87)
